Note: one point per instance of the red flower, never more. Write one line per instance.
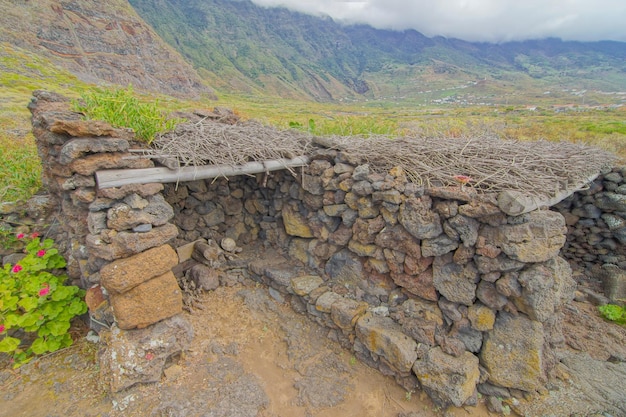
(34, 235)
(41, 253)
(149, 356)
(44, 291)
(463, 179)
(17, 268)
(20, 236)
(2, 328)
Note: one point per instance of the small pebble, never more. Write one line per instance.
(92, 337)
(228, 244)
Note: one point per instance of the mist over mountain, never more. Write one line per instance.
(237, 45)
(478, 20)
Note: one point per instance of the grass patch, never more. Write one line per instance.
(347, 126)
(607, 127)
(121, 108)
(20, 176)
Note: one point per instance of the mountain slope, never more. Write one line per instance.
(99, 41)
(240, 46)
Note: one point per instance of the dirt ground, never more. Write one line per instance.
(253, 356)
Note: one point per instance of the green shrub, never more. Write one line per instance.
(122, 109)
(35, 307)
(614, 313)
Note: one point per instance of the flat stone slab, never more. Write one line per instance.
(148, 303)
(125, 274)
(591, 387)
(383, 336)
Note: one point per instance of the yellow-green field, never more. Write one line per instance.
(22, 73)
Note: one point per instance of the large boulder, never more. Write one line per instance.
(455, 282)
(397, 238)
(421, 284)
(154, 210)
(124, 274)
(295, 224)
(545, 287)
(421, 320)
(466, 227)
(448, 380)
(75, 148)
(384, 337)
(418, 219)
(129, 357)
(438, 246)
(345, 268)
(512, 353)
(538, 239)
(148, 303)
(124, 244)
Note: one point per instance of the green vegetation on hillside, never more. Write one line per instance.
(597, 127)
(23, 72)
(239, 46)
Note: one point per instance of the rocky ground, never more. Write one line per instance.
(251, 356)
(254, 356)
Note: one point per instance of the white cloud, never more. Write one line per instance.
(479, 20)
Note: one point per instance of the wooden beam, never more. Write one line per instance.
(119, 177)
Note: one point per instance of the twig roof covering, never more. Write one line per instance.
(213, 143)
(534, 168)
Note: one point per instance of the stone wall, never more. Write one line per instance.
(596, 238)
(437, 287)
(427, 285)
(115, 241)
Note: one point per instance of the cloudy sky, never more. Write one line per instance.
(479, 20)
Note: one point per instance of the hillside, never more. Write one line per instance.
(99, 42)
(239, 46)
(179, 47)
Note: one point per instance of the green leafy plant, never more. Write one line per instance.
(613, 313)
(122, 109)
(7, 238)
(408, 395)
(35, 306)
(297, 125)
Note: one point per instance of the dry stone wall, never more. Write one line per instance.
(596, 238)
(116, 242)
(438, 287)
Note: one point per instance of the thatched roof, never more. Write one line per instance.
(534, 168)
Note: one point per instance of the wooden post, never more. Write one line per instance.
(119, 177)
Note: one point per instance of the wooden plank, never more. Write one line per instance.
(119, 177)
(184, 252)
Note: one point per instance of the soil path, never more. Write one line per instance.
(251, 356)
(255, 357)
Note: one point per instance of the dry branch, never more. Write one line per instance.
(541, 169)
(210, 143)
